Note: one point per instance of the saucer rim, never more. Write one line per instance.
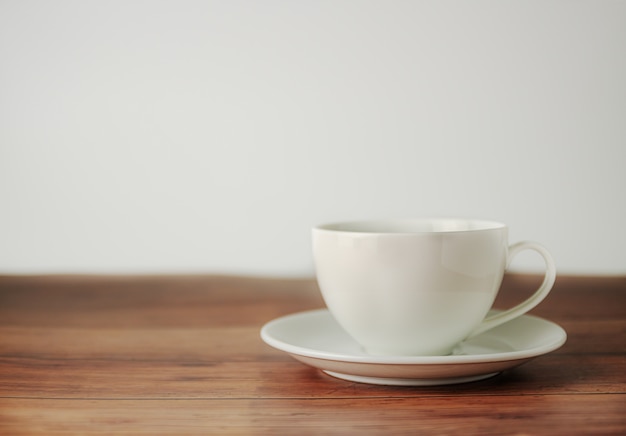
(524, 354)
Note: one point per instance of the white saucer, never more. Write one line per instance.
(316, 339)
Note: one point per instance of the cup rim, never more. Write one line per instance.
(411, 226)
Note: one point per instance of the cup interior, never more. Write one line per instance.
(409, 226)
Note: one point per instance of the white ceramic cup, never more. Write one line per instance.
(418, 287)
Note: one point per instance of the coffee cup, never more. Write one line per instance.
(418, 287)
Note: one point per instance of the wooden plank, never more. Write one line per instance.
(181, 376)
(152, 301)
(485, 415)
(226, 343)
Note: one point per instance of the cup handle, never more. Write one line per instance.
(548, 281)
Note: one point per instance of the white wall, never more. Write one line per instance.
(209, 136)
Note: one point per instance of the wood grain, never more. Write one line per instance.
(182, 355)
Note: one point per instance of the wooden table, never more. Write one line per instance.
(182, 355)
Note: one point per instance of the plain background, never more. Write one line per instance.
(209, 136)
